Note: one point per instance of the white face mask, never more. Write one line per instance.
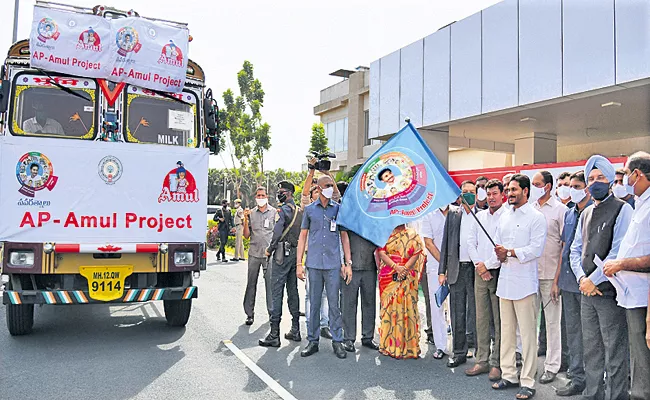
(564, 192)
(481, 194)
(577, 195)
(261, 202)
(620, 191)
(536, 193)
(328, 192)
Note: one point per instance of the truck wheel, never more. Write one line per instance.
(20, 318)
(177, 312)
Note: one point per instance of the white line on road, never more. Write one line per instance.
(266, 378)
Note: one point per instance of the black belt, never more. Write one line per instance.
(466, 263)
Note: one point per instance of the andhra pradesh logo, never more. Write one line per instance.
(110, 169)
(48, 29)
(127, 41)
(179, 186)
(89, 40)
(171, 55)
(393, 180)
(34, 172)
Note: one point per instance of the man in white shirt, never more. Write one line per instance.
(40, 123)
(548, 265)
(431, 230)
(630, 271)
(520, 241)
(485, 284)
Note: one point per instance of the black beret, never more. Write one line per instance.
(286, 186)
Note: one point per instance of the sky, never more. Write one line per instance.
(293, 45)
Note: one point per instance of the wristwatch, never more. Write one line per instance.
(509, 253)
(349, 263)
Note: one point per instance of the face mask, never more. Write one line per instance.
(481, 194)
(536, 193)
(328, 192)
(577, 195)
(261, 202)
(40, 115)
(619, 191)
(626, 183)
(599, 190)
(470, 198)
(564, 192)
(282, 197)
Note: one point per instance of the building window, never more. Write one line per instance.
(366, 130)
(337, 135)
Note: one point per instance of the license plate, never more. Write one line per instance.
(106, 283)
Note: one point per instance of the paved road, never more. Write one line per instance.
(124, 352)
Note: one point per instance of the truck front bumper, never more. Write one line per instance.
(82, 297)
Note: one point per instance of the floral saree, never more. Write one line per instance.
(399, 329)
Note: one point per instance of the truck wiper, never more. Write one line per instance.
(65, 89)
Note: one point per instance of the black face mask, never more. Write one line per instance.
(599, 190)
(282, 197)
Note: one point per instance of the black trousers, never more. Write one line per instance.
(364, 283)
(460, 294)
(285, 275)
(639, 353)
(223, 239)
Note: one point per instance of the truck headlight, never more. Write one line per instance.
(184, 258)
(22, 258)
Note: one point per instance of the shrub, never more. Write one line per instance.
(212, 239)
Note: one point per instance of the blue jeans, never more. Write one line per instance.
(330, 280)
(324, 318)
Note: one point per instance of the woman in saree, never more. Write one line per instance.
(401, 262)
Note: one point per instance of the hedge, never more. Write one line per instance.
(212, 238)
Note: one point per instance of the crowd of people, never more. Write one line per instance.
(570, 250)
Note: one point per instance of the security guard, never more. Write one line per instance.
(283, 271)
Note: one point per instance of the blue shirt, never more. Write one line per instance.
(567, 280)
(324, 245)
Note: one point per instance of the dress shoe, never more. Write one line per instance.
(271, 340)
(370, 344)
(242, 259)
(294, 335)
(348, 345)
(311, 348)
(547, 377)
(339, 350)
(495, 374)
(249, 321)
(235, 259)
(325, 332)
(302, 314)
(456, 361)
(519, 359)
(477, 369)
(430, 339)
(569, 390)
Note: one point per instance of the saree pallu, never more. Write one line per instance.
(399, 329)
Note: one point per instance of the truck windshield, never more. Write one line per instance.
(155, 119)
(39, 108)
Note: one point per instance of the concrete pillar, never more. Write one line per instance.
(356, 133)
(536, 148)
(438, 142)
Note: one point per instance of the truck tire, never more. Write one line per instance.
(20, 318)
(177, 312)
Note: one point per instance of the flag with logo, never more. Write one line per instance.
(398, 184)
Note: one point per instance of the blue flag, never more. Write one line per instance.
(398, 184)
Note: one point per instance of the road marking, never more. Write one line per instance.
(270, 382)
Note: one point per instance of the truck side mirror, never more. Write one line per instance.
(211, 113)
(212, 143)
(4, 96)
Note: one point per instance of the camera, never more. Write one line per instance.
(322, 164)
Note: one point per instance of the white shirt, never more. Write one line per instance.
(432, 226)
(636, 243)
(479, 246)
(466, 223)
(51, 126)
(524, 230)
(553, 211)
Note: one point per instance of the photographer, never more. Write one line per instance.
(310, 191)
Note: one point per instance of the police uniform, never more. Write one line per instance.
(285, 273)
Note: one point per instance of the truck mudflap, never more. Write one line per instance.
(82, 296)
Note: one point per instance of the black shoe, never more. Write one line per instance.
(249, 321)
(224, 260)
(339, 350)
(348, 345)
(294, 335)
(242, 259)
(271, 340)
(370, 344)
(302, 314)
(311, 348)
(235, 259)
(456, 361)
(569, 390)
(547, 377)
(430, 339)
(519, 360)
(325, 332)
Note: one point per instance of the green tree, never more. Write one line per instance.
(318, 141)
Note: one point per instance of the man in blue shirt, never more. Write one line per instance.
(325, 263)
(566, 282)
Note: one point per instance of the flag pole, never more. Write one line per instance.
(477, 221)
